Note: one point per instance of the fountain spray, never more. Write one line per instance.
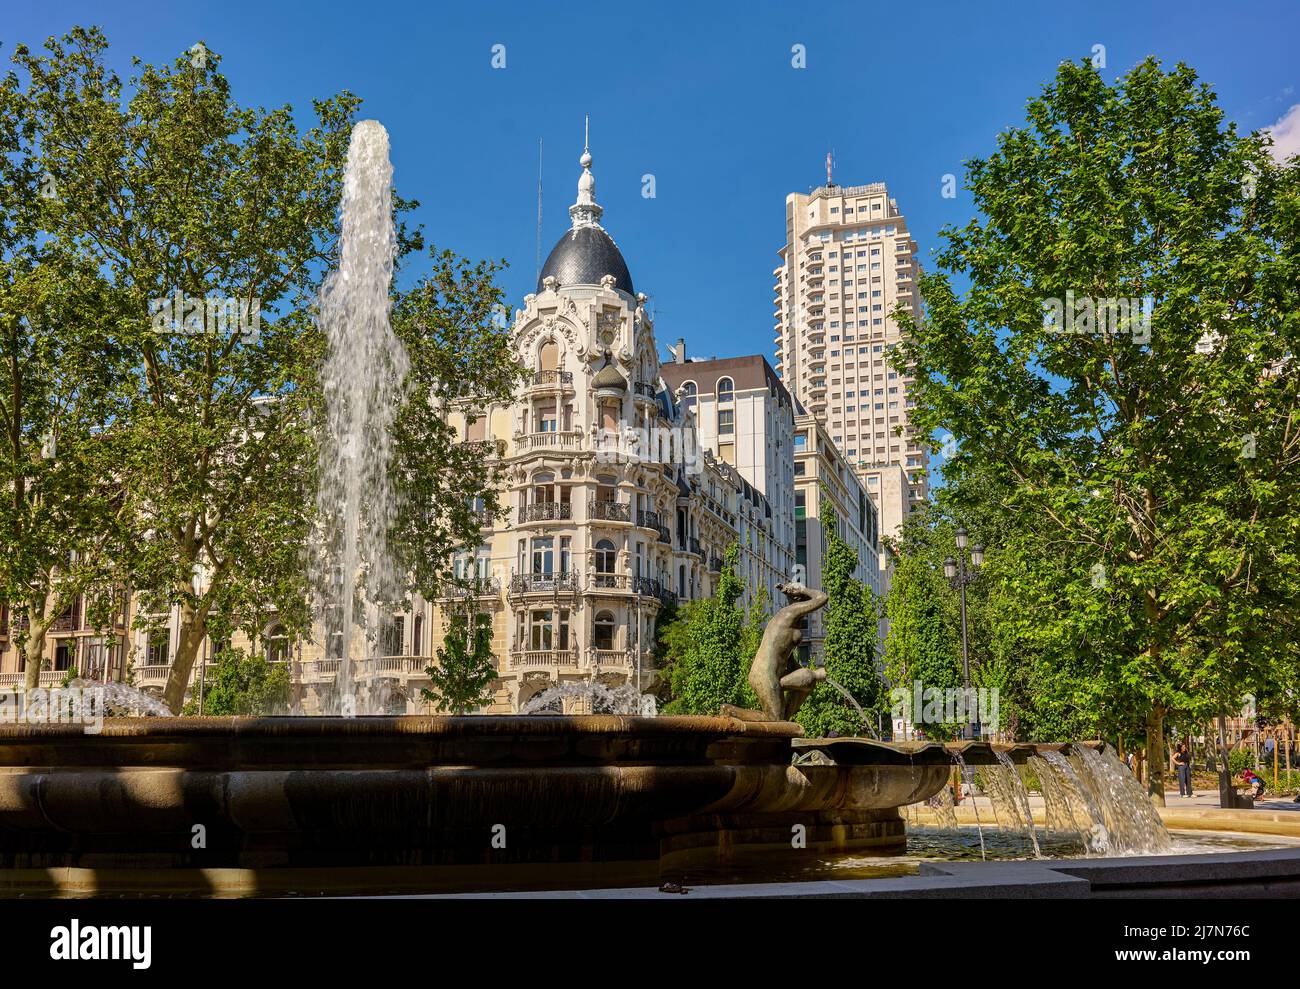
(363, 384)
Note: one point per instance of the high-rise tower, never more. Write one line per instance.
(847, 264)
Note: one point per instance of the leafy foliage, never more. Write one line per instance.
(166, 188)
(707, 648)
(1153, 484)
(850, 623)
(243, 683)
(464, 675)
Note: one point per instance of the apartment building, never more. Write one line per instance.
(745, 418)
(848, 263)
(821, 470)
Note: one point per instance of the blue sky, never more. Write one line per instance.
(701, 95)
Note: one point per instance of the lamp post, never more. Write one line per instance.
(959, 576)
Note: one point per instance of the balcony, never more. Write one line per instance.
(598, 581)
(647, 587)
(320, 670)
(478, 587)
(49, 678)
(388, 666)
(693, 546)
(552, 379)
(543, 583)
(531, 659)
(69, 621)
(610, 511)
(487, 448)
(546, 511)
(549, 440)
(649, 520)
(606, 658)
(715, 564)
(152, 673)
(645, 390)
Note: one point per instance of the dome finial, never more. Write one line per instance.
(585, 212)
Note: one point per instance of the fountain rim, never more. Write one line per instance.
(406, 726)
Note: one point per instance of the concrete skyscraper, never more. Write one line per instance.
(847, 264)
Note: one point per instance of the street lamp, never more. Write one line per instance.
(959, 576)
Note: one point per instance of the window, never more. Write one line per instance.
(688, 394)
(542, 630)
(543, 555)
(726, 390)
(157, 651)
(277, 644)
(605, 556)
(726, 422)
(602, 631)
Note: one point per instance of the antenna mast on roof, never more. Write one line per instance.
(829, 161)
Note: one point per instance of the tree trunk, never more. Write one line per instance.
(1156, 754)
(38, 624)
(34, 653)
(1227, 798)
(193, 629)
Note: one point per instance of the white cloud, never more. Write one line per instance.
(1286, 135)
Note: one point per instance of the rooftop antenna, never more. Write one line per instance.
(829, 162)
(539, 209)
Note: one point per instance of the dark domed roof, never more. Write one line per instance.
(583, 256)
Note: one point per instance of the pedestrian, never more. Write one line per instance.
(1183, 765)
(1253, 780)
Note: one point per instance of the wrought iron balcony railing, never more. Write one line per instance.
(553, 378)
(610, 511)
(474, 588)
(546, 511)
(529, 583)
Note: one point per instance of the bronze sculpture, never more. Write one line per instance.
(782, 685)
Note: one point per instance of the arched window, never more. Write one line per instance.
(277, 644)
(726, 390)
(689, 393)
(602, 631)
(605, 558)
(548, 357)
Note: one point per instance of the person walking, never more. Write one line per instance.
(1183, 766)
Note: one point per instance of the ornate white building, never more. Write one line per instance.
(613, 511)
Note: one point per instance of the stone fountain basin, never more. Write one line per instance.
(160, 798)
(428, 790)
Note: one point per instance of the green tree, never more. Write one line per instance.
(244, 684)
(465, 673)
(170, 188)
(60, 389)
(850, 624)
(921, 646)
(1155, 460)
(708, 647)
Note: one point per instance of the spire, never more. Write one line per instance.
(586, 212)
